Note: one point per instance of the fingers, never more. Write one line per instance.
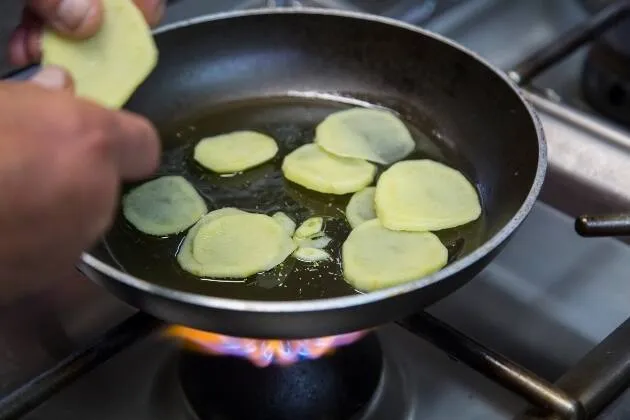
(24, 44)
(135, 146)
(130, 141)
(18, 55)
(74, 18)
(53, 78)
(153, 10)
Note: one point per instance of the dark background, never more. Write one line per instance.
(9, 15)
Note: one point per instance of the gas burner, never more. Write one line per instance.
(606, 82)
(261, 353)
(338, 386)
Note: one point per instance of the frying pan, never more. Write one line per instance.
(281, 72)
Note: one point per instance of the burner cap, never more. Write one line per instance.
(333, 387)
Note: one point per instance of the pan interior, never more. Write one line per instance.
(291, 120)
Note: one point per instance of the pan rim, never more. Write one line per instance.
(326, 304)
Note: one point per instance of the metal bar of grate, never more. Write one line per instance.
(598, 379)
(37, 391)
(603, 374)
(494, 366)
(576, 37)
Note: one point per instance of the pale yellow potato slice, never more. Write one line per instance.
(360, 208)
(376, 135)
(311, 254)
(235, 152)
(317, 170)
(285, 221)
(230, 243)
(310, 227)
(216, 214)
(163, 206)
(108, 67)
(238, 246)
(184, 254)
(286, 248)
(424, 195)
(374, 257)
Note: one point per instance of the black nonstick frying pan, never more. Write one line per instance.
(281, 72)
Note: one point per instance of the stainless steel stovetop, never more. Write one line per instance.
(545, 302)
(543, 314)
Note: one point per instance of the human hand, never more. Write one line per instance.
(61, 163)
(74, 18)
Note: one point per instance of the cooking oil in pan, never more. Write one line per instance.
(291, 121)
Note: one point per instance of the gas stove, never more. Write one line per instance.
(542, 333)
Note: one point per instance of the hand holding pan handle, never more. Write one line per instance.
(603, 225)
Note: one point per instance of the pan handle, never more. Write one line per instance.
(603, 225)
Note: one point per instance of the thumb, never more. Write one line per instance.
(53, 78)
(74, 18)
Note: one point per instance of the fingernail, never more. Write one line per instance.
(160, 10)
(72, 13)
(18, 53)
(33, 41)
(51, 78)
(153, 10)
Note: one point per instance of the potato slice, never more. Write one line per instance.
(235, 152)
(424, 195)
(360, 208)
(285, 249)
(374, 257)
(317, 170)
(376, 135)
(311, 254)
(163, 206)
(310, 227)
(216, 214)
(108, 67)
(238, 245)
(184, 254)
(285, 221)
(230, 243)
